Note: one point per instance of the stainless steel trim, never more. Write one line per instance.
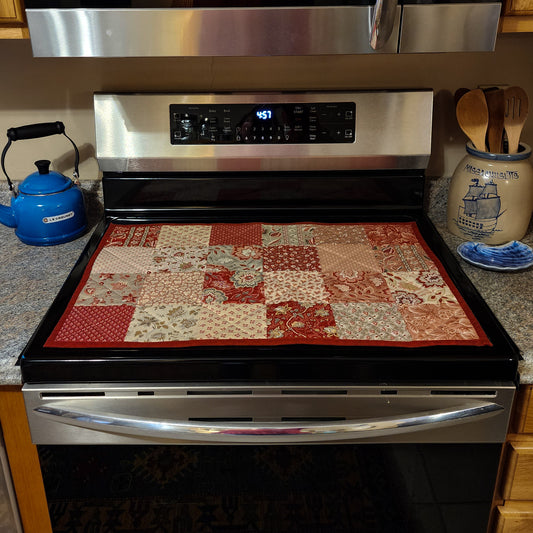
(383, 16)
(245, 433)
(449, 27)
(393, 130)
(153, 413)
(204, 32)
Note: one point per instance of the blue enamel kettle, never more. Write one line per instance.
(48, 207)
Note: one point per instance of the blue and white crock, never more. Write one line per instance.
(490, 199)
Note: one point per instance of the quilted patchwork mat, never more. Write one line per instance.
(260, 284)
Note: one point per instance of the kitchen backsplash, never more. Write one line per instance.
(42, 90)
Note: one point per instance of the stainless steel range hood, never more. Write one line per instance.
(64, 28)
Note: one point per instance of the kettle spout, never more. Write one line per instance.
(7, 216)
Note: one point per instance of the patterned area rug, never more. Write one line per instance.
(262, 284)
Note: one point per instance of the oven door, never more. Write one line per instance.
(148, 28)
(270, 458)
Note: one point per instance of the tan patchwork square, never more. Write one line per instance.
(370, 321)
(186, 259)
(163, 323)
(340, 234)
(184, 236)
(233, 321)
(122, 259)
(347, 258)
(111, 289)
(303, 287)
(172, 287)
(288, 235)
(414, 288)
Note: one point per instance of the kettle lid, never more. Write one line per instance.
(44, 181)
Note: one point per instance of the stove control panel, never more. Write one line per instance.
(275, 123)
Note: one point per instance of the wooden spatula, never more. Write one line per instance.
(496, 105)
(473, 117)
(516, 109)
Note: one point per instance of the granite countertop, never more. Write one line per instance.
(31, 276)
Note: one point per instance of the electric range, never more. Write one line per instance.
(265, 275)
(344, 172)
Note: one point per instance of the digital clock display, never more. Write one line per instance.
(264, 114)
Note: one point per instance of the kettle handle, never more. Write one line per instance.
(35, 131)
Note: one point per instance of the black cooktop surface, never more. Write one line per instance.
(297, 363)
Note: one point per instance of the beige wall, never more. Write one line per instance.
(41, 90)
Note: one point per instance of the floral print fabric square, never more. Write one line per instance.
(239, 286)
(111, 289)
(260, 284)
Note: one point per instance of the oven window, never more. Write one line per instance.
(368, 488)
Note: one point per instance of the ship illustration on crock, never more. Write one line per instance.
(478, 216)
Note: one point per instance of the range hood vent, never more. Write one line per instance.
(124, 28)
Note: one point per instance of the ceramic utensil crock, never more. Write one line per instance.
(490, 198)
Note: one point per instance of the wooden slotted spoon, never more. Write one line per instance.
(473, 117)
(516, 109)
(496, 104)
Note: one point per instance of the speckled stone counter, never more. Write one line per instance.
(31, 276)
(508, 294)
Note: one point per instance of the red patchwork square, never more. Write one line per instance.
(99, 324)
(240, 286)
(236, 234)
(357, 287)
(294, 320)
(436, 322)
(126, 235)
(391, 234)
(301, 258)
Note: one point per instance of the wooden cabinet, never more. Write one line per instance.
(518, 7)
(515, 517)
(12, 20)
(23, 462)
(11, 11)
(514, 514)
(517, 482)
(517, 16)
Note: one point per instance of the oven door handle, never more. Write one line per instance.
(271, 432)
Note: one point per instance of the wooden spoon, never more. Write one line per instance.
(516, 109)
(473, 117)
(496, 105)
